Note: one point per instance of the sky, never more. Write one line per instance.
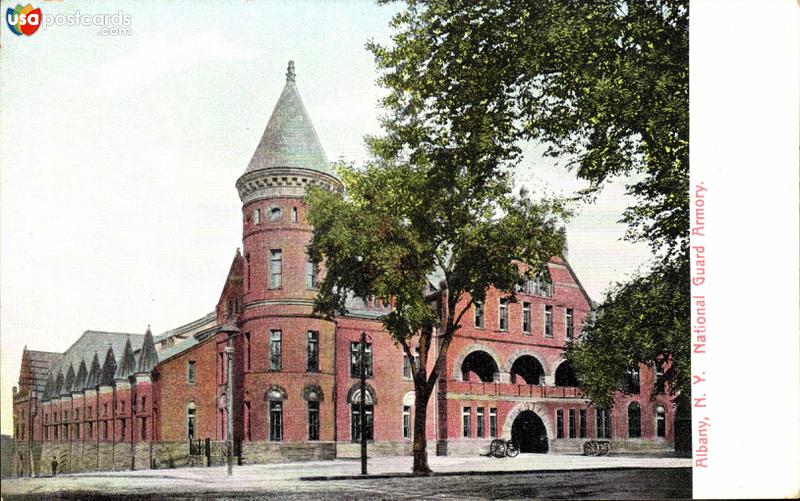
(119, 156)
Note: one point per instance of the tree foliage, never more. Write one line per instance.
(400, 222)
(602, 84)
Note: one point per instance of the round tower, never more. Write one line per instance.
(287, 351)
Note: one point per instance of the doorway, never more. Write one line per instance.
(529, 434)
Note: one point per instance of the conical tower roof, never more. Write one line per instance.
(56, 391)
(93, 378)
(148, 358)
(109, 368)
(290, 139)
(80, 378)
(47, 394)
(127, 365)
(69, 380)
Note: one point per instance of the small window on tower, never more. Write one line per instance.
(275, 214)
(294, 214)
(256, 216)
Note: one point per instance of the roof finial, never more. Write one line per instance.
(290, 72)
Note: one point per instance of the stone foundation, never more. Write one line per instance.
(279, 452)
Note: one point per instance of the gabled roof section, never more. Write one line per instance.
(127, 365)
(230, 299)
(35, 368)
(48, 388)
(148, 358)
(69, 380)
(290, 139)
(109, 368)
(80, 377)
(93, 378)
(90, 342)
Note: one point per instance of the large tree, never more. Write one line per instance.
(403, 221)
(604, 85)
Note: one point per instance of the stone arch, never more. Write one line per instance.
(275, 391)
(521, 353)
(408, 398)
(356, 388)
(313, 392)
(564, 373)
(527, 406)
(456, 374)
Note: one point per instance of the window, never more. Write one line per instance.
(275, 258)
(479, 427)
(191, 418)
(570, 325)
(356, 414)
(311, 275)
(571, 423)
(479, 315)
(503, 314)
(77, 431)
(275, 420)
(313, 420)
(526, 318)
(603, 423)
(275, 214)
(406, 421)
(466, 419)
(661, 422)
(492, 422)
(355, 360)
(548, 320)
(247, 271)
(559, 423)
(634, 420)
(312, 351)
(190, 372)
(256, 216)
(582, 423)
(541, 287)
(122, 429)
(274, 350)
(90, 430)
(407, 373)
(660, 381)
(632, 380)
(221, 367)
(294, 214)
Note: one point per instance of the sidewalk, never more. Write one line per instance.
(284, 476)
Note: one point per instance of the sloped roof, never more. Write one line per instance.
(93, 342)
(289, 139)
(39, 363)
(59, 382)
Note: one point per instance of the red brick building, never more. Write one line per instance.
(117, 400)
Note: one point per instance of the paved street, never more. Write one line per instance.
(545, 476)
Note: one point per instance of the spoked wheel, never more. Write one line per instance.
(605, 448)
(512, 450)
(591, 448)
(497, 448)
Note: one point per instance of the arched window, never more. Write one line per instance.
(275, 409)
(634, 420)
(481, 364)
(312, 395)
(526, 369)
(661, 422)
(357, 413)
(565, 375)
(191, 420)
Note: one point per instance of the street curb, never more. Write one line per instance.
(479, 473)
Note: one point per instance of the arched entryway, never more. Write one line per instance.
(529, 433)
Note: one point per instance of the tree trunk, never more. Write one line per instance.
(421, 397)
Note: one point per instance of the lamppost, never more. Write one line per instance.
(363, 400)
(231, 331)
